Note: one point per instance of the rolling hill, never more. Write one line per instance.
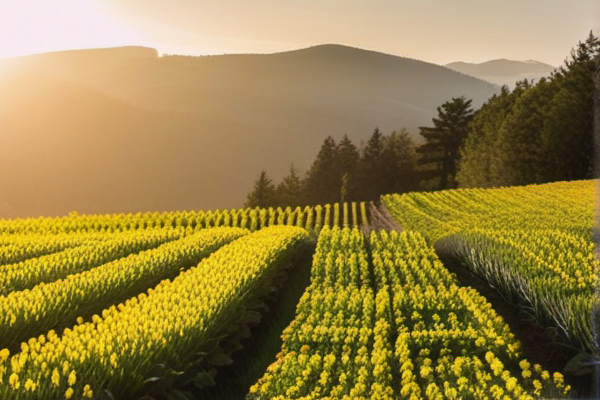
(125, 130)
(504, 72)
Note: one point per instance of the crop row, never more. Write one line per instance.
(15, 248)
(532, 243)
(344, 214)
(567, 206)
(112, 355)
(396, 327)
(28, 313)
(59, 265)
(551, 272)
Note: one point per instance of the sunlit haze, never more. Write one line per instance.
(438, 31)
(37, 26)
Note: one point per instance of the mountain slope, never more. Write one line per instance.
(124, 130)
(503, 71)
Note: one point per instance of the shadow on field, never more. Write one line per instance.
(250, 363)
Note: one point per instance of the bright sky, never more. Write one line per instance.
(438, 31)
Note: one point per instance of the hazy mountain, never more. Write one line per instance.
(504, 72)
(124, 130)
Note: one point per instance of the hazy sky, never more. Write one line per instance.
(438, 31)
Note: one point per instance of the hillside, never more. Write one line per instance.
(504, 72)
(120, 130)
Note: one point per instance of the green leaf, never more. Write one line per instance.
(157, 370)
(180, 395)
(252, 317)
(203, 379)
(220, 359)
(579, 365)
(150, 380)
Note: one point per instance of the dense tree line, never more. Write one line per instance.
(537, 132)
(343, 172)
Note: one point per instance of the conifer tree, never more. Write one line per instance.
(399, 163)
(538, 133)
(263, 193)
(371, 173)
(289, 191)
(480, 151)
(347, 159)
(443, 141)
(322, 183)
(568, 133)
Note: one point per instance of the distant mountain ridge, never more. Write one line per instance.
(124, 130)
(503, 71)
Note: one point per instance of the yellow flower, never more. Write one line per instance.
(538, 386)
(13, 380)
(30, 385)
(4, 354)
(72, 378)
(69, 393)
(87, 392)
(545, 375)
(55, 377)
(558, 379)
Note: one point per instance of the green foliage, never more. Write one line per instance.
(536, 133)
(444, 139)
(289, 191)
(399, 163)
(481, 150)
(340, 173)
(371, 164)
(263, 193)
(322, 183)
(347, 160)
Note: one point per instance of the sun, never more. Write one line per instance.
(37, 26)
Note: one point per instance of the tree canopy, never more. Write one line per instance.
(444, 139)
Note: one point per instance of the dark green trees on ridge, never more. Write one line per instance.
(341, 172)
(539, 132)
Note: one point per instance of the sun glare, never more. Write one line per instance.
(37, 26)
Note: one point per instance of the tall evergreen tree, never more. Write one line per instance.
(399, 163)
(568, 133)
(371, 171)
(322, 184)
(347, 159)
(289, 192)
(481, 146)
(444, 139)
(263, 193)
(520, 149)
